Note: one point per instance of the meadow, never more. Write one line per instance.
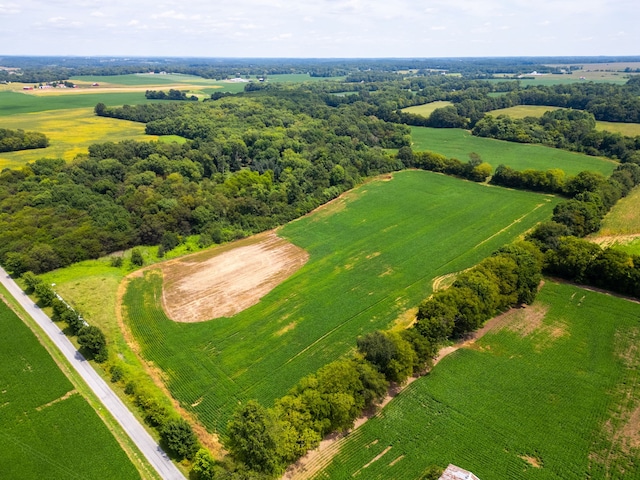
(427, 109)
(47, 429)
(373, 255)
(70, 133)
(575, 77)
(553, 394)
(623, 218)
(457, 143)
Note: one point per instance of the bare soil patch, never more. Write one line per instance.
(533, 461)
(224, 281)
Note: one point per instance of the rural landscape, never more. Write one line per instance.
(321, 269)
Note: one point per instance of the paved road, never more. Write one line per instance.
(147, 445)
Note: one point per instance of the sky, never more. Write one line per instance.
(320, 28)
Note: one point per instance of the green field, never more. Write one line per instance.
(47, 429)
(575, 77)
(457, 143)
(560, 391)
(373, 255)
(12, 103)
(427, 109)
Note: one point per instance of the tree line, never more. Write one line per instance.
(14, 140)
(263, 441)
(173, 94)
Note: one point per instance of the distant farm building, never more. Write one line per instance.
(456, 473)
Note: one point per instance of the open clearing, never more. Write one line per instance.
(372, 255)
(70, 133)
(565, 369)
(457, 143)
(47, 430)
(224, 281)
(427, 109)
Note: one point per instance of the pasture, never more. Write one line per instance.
(372, 256)
(457, 143)
(554, 392)
(70, 133)
(427, 109)
(47, 429)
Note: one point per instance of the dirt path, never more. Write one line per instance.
(315, 460)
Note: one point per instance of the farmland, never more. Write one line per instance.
(459, 144)
(373, 254)
(576, 349)
(46, 425)
(70, 133)
(426, 109)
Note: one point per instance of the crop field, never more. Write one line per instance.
(554, 393)
(47, 429)
(458, 143)
(70, 132)
(427, 109)
(12, 103)
(373, 255)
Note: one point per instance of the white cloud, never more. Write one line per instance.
(323, 27)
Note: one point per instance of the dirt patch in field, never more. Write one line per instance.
(527, 320)
(225, 281)
(533, 461)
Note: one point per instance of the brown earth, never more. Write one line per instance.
(227, 280)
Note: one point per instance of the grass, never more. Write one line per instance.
(427, 109)
(522, 111)
(47, 429)
(564, 396)
(457, 143)
(624, 217)
(373, 254)
(626, 129)
(70, 133)
(589, 76)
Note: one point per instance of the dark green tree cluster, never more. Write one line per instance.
(13, 140)
(267, 440)
(173, 94)
(585, 262)
(567, 129)
(509, 277)
(475, 169)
